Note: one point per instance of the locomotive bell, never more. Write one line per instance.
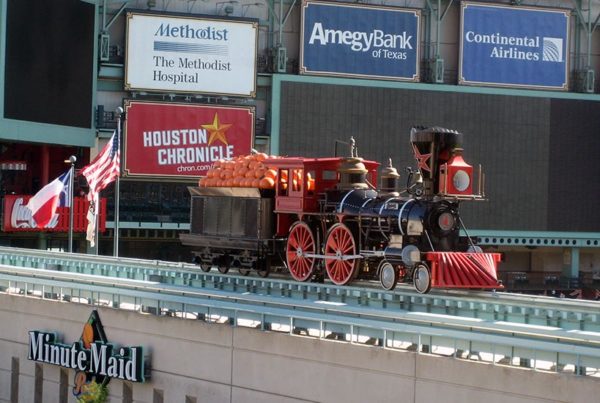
(389, 180)
(353, 173)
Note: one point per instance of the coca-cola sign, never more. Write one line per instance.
(20, 217)
(17, 217)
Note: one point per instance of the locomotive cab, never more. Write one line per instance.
(303, 184)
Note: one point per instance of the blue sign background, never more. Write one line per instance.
(340, 59)
(480, 61)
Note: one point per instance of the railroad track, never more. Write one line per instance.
(566, 314)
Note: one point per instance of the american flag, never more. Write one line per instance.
(103, 170)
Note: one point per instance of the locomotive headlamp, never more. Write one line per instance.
(456, 176)
(461, 180)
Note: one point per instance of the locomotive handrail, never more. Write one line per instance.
(575, 348)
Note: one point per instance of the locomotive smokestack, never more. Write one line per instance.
(433, 147)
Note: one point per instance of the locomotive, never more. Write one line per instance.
(332, 220)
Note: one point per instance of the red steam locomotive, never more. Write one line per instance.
(326, 217)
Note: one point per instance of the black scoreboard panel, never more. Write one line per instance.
(540, 155)
(49, 61)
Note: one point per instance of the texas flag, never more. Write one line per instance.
(45, 202)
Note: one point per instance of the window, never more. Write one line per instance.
(310, 182)
(282, 178)
(297, 179)
(330, 175)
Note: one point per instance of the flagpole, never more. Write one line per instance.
(72, 159)
(97, 228)
(119, 112)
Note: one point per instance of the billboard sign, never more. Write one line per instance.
(182, 141)
(514, 46)
(360, 41)
(185, 54)
(17, 217)
(95, 360)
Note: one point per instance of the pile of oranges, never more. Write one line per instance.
(242, 171)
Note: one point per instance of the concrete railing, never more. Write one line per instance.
(496, 341)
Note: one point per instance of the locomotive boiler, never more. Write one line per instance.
(326, 217)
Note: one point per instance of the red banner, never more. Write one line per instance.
(183, 140)
(16, 217)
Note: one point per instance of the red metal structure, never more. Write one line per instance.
(327, 217)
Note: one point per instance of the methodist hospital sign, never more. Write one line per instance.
(186, 54)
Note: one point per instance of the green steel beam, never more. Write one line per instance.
(571, 270)
(110, 85)
(3, 6)
(149, 225)
(275, 113)
(433, 87)
(537, 238)
(22, 131)
(588, 26)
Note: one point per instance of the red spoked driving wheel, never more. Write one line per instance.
(301, 242)
(340, 249)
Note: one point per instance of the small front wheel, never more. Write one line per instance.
(422, 278)
(388, 275)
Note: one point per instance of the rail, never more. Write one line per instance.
(515, 308)
(498, 342)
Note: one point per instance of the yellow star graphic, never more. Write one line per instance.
(217, 131)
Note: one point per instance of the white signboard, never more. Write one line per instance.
(190, 55)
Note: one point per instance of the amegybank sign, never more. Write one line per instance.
(361, 41)
(189, 54)
(514, 46)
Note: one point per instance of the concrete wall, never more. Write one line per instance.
(197, 362)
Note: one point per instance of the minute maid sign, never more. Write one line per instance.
(360, 41)
(94, 359)
(514, 46)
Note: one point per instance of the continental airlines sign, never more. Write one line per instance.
(514, 46)
(361, 41)
(188, 54)
(183, 140)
